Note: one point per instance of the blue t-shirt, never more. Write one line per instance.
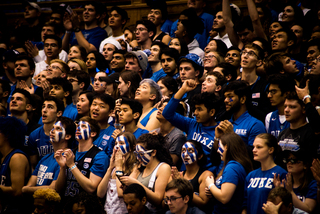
(70, 111)
(105, 141)
(39, 143)
(140, 132)
(207, 20)
(47, 170)
(166, 26)
(158, 75)
(233, 173)
(247, 127)
(310, 193)
(275, 126)
(257, 187)
(94, 36)
(195, 131)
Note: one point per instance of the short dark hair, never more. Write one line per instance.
(314, 42)
(97, 6)
(54, 37)
(240, 88)
(25, 93)
(82, 76)
(220, 78)
(122, 12)
(162, 6)
(135, 189)
(273, 64)
(66, 85)
(314, 83)
(257, 48)
(14, 131)
(59, 103)
(107, 99)
(210, 100)
(293, 96)
(291, 36)
(170, 83)
(183, 186)
(284, 82)
(134, 105)
(5, 85)
(31, 63)
(174, 53)
(282, 193)
(244, 23)
(228, 69)
(149, 25)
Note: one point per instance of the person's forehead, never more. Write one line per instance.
(99, 101)
(156, 10)
(48, 27)
(114, 12)
(118, 54)
(57, 86)
(291, 102)
(50, 41)
(250, 49)
(49, 102)
(313, 47)
(132, 59)
(219, 13)
(186, 64)
(55, 64)
(233, 51)
(273, 86)
(281, 33)
(141, 25)
(21, 61)
(56, 15)
(165, 56)
(175, 192)
(89, 6)
(17, 94)
(210, 76)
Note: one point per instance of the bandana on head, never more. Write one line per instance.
(84, 132)
(58, 135)
(221, 148)
(123, 148)
(192, 156)
(145, 159)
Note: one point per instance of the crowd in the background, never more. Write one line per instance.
(216, 112)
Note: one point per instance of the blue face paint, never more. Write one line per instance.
(123, 148)
(231, 100)
(221, 148)
(84, 129)
(59, 132)
(188, 156)
(143, 155)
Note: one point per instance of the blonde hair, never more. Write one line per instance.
(81, 63)
(50, 195)
(65, 68)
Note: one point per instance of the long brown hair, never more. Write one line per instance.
(237, 151)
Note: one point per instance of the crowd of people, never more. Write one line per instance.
(216, 112)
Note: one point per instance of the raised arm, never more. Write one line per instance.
(256, 23)
(227, 19)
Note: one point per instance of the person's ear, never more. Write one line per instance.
(66, 94)
(243, 100)
(59, 113)
(5, 94)
(81, 85)
(151, 33)
(197, 73)
(154, 152)
(186, 199)
(93, 134)
(271, 150)
(32, 72)
(144, 200)
(152, 96)
(67, 137)
(28, 107)
(212, 112)
(63, 75)
(128, 84)
(136, 115)
(228, 78)
(259, 63)
(218, 88)
(290, 43)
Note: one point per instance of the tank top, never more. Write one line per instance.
(160, 37)
(145, 120)
(113, 203)
(195, 180)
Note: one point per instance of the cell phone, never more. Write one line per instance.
(119, 175)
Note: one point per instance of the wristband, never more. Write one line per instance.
(73, 167)
(76, 30)
(305, 97)
(210, 185)
(216, 139)
(67, 31)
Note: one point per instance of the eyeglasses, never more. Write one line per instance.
(53, 67)
(72, 80)
(291, 160)
(141, 153)
(173, 199)
(209, 57)
(140, 29)
(273, 91)
(250, 53)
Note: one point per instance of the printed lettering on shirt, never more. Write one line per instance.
(3, 179)
(42, 174)
(44, 150)
(289, 144)
(203, 140)
(275, 133)
(242, 132)
(260, 183)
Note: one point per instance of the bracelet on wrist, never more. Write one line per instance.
(210, 185)
(119, 173)
(216, 139)
(76, 30)
(305, 97)
(73, 167)
(68, 31)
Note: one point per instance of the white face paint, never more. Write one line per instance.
(57, 133)
(189, 153)
(143, 155)
(124, 148)
(84, 129)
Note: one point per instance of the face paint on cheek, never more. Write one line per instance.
(231, 100)
(123, 148)
(221, 148)
(84, 132)
(187, 157)
(58, 135)
(144, 159)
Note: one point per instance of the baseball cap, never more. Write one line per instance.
(113, 78)
(10, 56)
(32, 4)
(195, 59)
(142, 59)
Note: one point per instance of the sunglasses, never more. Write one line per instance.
(291, 160)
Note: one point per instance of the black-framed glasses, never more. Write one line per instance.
(140, 29)
(53, 67)
(209, 57)
(272, 91)
(250, 53)
(291, 160)
(172, 199)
